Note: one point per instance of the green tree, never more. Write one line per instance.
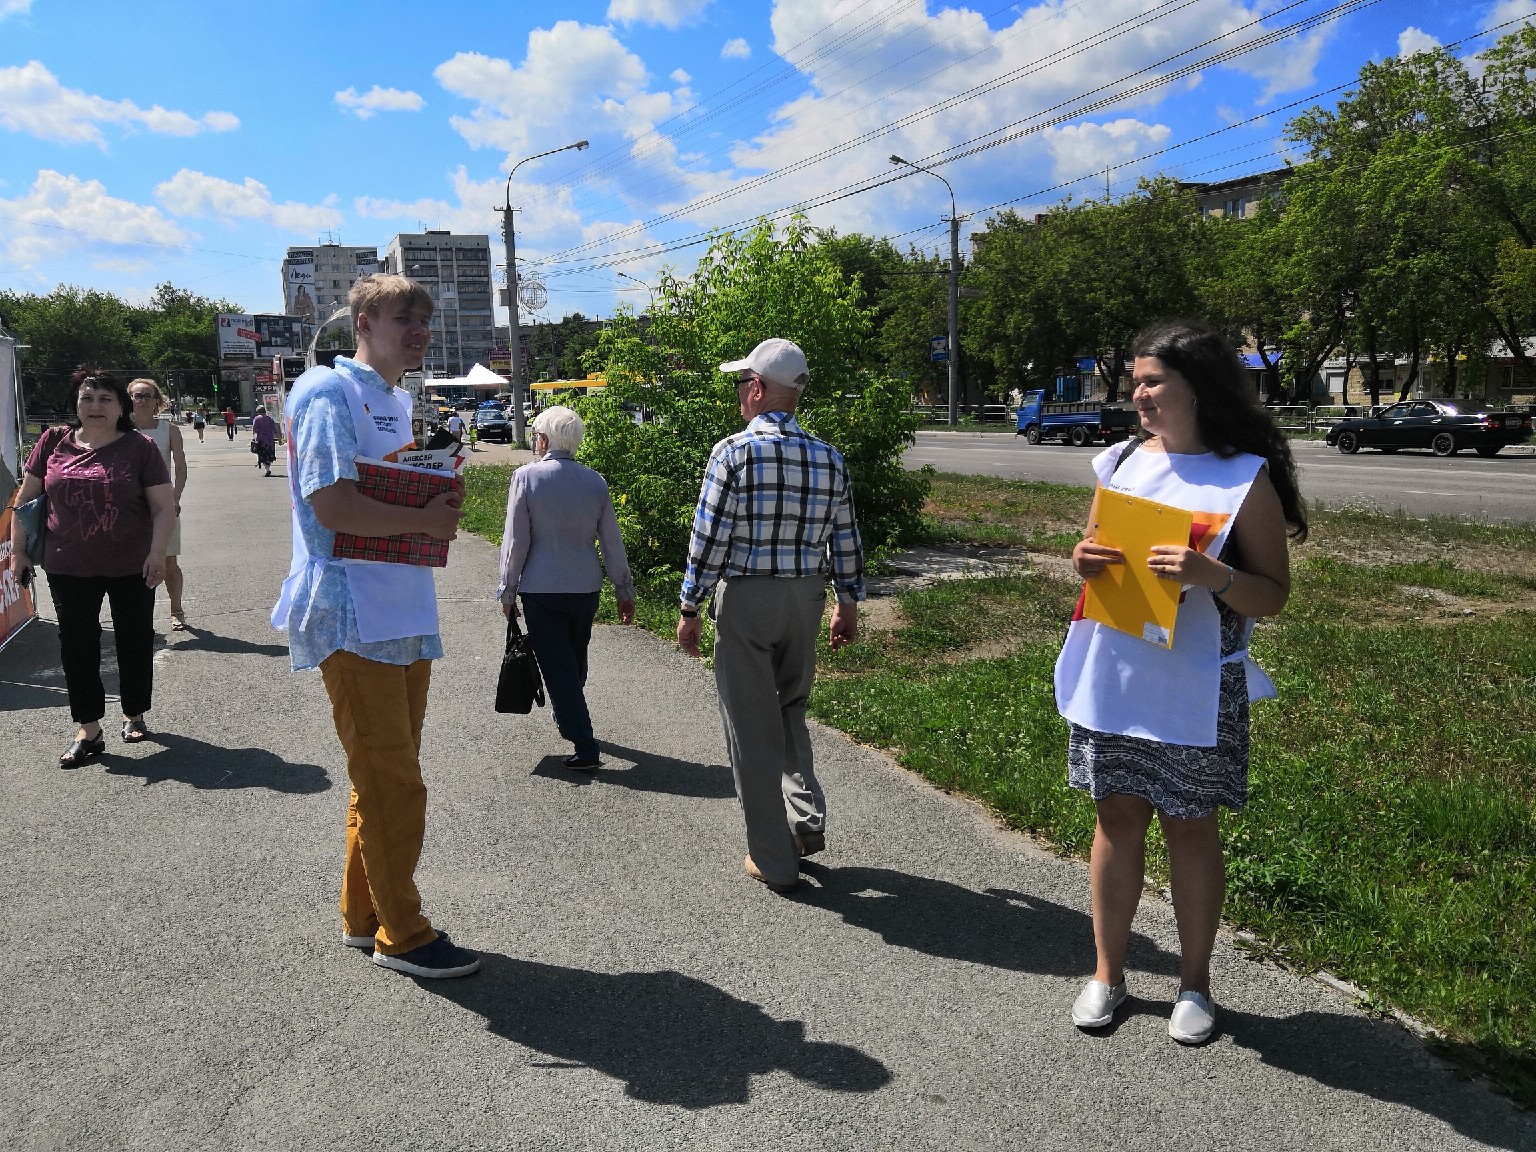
(747, 288)
(65, 329)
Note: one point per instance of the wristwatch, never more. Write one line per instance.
(688, 613)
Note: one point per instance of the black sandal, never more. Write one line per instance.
(133, 731)
(83, 752)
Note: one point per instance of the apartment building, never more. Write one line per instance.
(316, 279)
(456, 271)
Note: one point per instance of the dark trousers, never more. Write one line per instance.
(560, 629)
(230, 428)
(77, 602)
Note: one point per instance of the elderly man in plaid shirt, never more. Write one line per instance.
(775, 513)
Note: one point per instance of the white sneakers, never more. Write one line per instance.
(1192, 1022)
(1096, 1003)
(1193, 1019)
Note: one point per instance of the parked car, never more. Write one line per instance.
(1434, 424)
(492, 424)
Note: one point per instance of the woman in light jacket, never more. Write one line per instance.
(556, 509)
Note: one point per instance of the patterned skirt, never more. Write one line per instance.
(1179, 780)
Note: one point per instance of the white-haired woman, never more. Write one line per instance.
(149, 400)
(556, 509)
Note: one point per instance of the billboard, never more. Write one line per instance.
(16, 607)
(237, 336)
(299, 290)
(279, 336)
(367, 265)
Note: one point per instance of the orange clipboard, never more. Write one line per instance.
(1130, 597)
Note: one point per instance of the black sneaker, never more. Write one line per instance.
(582, 763)
(435, 961)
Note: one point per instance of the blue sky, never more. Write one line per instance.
(194, 142)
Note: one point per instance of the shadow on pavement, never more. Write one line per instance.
(650, 773)
(1004, 929)
(1365, 1055)
(204, 765)
(201, 640)
(670, 1038)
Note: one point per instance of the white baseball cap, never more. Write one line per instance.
(777, 361)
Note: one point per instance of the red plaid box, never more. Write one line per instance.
(411, 487)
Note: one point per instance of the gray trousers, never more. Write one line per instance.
(765, 663)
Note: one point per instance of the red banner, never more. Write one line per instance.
(16, 607)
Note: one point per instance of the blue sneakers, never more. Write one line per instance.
(438, 960)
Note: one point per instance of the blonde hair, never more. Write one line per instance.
(161, 399)
(373, 294)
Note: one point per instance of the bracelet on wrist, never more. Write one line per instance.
(1231, 576)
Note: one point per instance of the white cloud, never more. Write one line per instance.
(1411, 40)
(63, 215)
(735, 49)
(33, 101)
(14, 8)
(378, 99)
(667, 13)
(1081, 149)
(190, 193)
(679, 76)
(1508, 10)
(570, 71)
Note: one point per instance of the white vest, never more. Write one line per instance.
(1109, 681)
(389, 601)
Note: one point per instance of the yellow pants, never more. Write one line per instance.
(379, 709)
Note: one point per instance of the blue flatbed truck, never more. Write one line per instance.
(1081, 422)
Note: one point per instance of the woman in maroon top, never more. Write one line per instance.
(111, 508)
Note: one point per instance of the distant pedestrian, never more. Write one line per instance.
(775, 512)
(556, 508)
(264, 436)
(229, 423)
(371, 628)
(111, 509)
(200, 422)
(1164, 730)
(148, 401)
(455, 427)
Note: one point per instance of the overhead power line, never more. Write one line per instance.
(1066, 110)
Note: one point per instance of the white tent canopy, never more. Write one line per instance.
(479, 377)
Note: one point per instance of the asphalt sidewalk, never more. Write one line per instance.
(174, 977)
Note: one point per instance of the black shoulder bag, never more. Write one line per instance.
(520, 686)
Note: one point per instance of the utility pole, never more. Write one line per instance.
(514, 322)
(954, 293)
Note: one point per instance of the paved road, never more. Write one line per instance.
(172, 977)
(1501, 488)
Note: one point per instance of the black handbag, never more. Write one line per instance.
(520, 686)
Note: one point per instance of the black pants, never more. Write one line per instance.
(560, 629)
(77, 601)
(230, 428)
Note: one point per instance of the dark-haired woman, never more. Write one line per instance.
(1164, 730)
(111, 509)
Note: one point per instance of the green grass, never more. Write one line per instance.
(1390, 834)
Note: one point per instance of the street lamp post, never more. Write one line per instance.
(954, 292)
(514, 325)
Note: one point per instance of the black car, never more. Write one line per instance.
(1432, 424)
(491, 424)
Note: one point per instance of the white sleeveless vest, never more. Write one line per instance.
(1109, 681)
(389, 601)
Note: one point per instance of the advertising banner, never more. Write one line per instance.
(16, 607)
(279, 336)
(299, 297)
(237, 336)
(10, 411)
(367, 265)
